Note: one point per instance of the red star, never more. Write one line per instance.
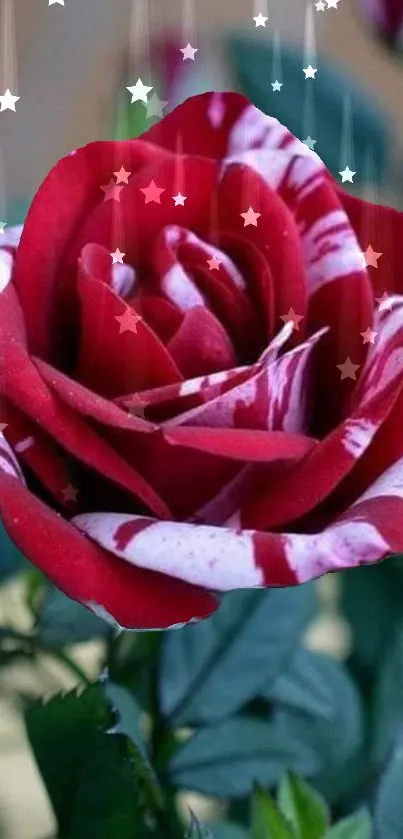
(136, 405)
(152, 193)
(291, 317)
(69, 493)
(122, 177)
(371, 257)
(214, 263)
(348, 369)
(112, 191)
(128, 321)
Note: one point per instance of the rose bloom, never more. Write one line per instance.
(223, 407)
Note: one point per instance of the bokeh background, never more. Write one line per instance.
(70, 66)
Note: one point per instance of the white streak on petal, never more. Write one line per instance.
(123, 279)
(11, 236)
(358, 435)
(390, 483)
(180, 290)
(24, 445)
(214, 557)
(355, 542)
(216, 110)
(6, 267)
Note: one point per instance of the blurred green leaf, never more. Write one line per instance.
(227, 759)
(211, 669)
(337, 736)
(62, 621)
(227, 830)
(388, 701)
(389, 802)
(88, 770)
(308, 685)
(268, 822)
(304, 808)
(358, 826)
(371, 601)
(197, 830)
(11, 559)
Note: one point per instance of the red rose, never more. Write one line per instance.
(223, 409)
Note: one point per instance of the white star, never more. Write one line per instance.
(8, 101)
(347, 175)
(117, 256)
(309, 142)
(52, 2)
(332, 4)
(179, 199)
(310, 72)
(3, 224)
(369, 336)
(139, 91)
(385, 302)
(276, 85)
(188, 52)
(320, 6)
(260, 20)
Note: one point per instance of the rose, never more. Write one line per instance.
(223, 409)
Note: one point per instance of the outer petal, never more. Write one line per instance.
(133, 598)
(226, 559)
(381, 228)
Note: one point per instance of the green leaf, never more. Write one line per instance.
(357, 826)
(367, 591)
(62, 621)
(89, 771)
(197, 830)
(227, 830)
(308, 684)
(11, 560)
(389, 803)
(211, 669)
(336, 735)
(227, 759)
(268, 822)
(304, 808)
(388, 710)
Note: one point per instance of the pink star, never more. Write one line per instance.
(117, 256)
(385, 302)
(112, 191)
(250, 217)
(122, 177)
(348, 369)
(214, 263)
(69, 493)
(291, 317)
(128, 321)
(369, 336)
(371, 257)
(188, 52)
(179, 199)
(152, 193)
(136, 405)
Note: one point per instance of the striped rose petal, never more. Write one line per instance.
(128, 597)
(224, 558)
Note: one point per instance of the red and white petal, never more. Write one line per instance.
(130, 597)
(273, 398)
(8, 461)
(217, 558)
(6, 268)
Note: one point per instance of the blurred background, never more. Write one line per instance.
(70, 65)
